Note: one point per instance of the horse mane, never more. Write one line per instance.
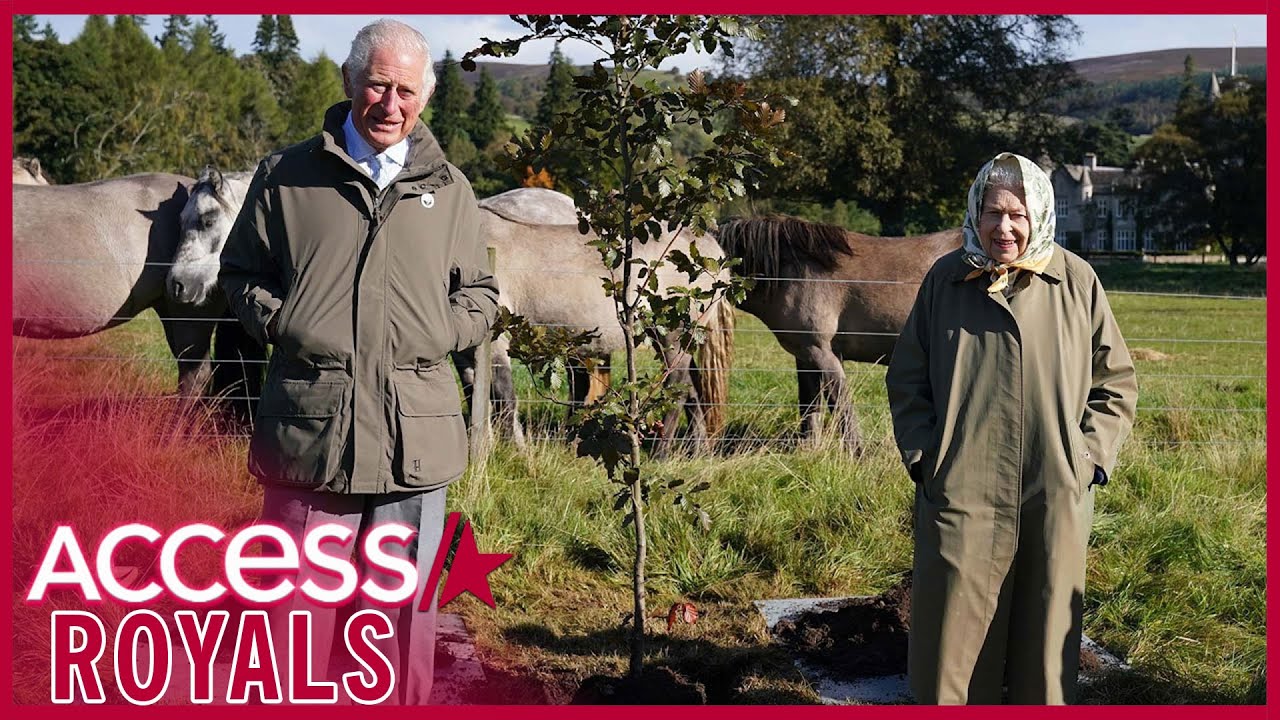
(211, 179)
(774, 245)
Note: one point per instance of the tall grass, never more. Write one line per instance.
(96, 445)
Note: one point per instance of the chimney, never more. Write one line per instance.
(1091, 161)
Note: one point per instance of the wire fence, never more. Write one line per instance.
(539, 404)
(601, 273)
(19, 321)
(857, 369)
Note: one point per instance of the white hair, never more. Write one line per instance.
(1005, 173)
(390, 35)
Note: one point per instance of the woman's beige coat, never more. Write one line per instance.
(1007, 404)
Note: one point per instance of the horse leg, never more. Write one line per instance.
(809, 383)
(680, 369)
(836, 390)
(599, 379)
(239, 364)
(465, 363)
(503, 393)
(189, 340)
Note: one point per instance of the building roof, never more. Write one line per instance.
(1102, 177)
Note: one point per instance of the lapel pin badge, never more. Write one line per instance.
(428, 201)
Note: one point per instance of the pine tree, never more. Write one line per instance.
(449, 104)
(286, 40)
(571, 164)
(176, 32)
(217, 39)
(316, 87)
(264, 38)
(488, 118)
(557, 94)
(24, 27)
(1191, 97)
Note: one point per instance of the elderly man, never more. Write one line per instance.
(357, 256)
(1011, 391)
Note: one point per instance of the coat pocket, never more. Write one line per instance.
(1081, 460)
(297, 437)
(432, 446)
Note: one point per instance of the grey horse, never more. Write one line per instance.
(90, 256)
(205, 222)
(830, 295)
(26, 171)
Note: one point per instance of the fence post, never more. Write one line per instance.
(481, 428)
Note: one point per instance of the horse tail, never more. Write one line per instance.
(715, 359)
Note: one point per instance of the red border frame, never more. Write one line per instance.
(232, 7)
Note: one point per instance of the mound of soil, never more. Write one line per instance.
(867, 637)
(863, 637)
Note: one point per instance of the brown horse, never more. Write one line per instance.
(830, 295)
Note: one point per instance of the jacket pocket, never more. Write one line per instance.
(1081, 460)
(297, 437)
(431, 449)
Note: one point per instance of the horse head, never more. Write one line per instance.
(206, 222)
(26, 171)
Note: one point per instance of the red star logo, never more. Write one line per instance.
(470, 570)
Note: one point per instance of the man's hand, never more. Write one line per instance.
(916, 471)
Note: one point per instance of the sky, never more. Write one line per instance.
(1100, 34)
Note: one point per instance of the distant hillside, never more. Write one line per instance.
(1142, 88)
(1154, 65)
(1144, 84)
(520, 85)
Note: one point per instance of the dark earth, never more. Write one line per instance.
(865, 637)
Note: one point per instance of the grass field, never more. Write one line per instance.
(1177, 570)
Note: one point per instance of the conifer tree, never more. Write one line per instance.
(488, 119)
(449, 104)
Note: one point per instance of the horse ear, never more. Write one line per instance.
(213, 176)
(34, 165)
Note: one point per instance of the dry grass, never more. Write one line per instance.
(97, 449)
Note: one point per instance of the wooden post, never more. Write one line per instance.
(481, 427)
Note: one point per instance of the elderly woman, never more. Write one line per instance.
(1011, 391)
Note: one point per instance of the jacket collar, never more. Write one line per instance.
(425, 160)
(1056, 270)
(360, 150)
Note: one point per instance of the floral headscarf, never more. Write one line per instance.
(1039, 198)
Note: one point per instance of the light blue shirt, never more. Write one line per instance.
(383, 166)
